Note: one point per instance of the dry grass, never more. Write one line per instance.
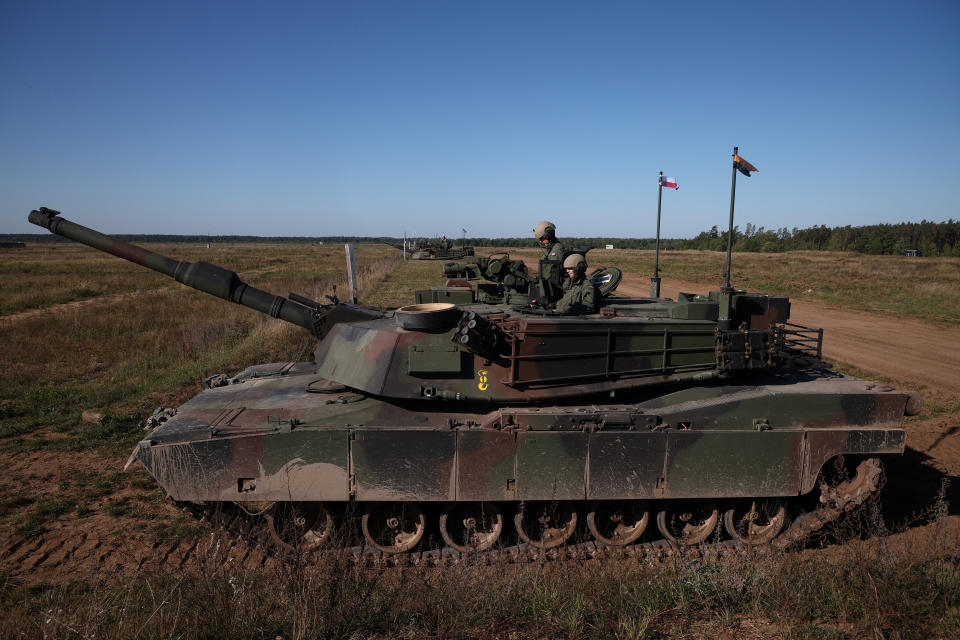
(43, 275)
(884, 588)
(924, 288)
(126, 355)
(396, 288)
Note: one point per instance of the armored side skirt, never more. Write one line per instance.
(492, 465)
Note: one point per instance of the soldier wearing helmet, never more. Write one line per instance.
(545, 233)
(579, 293)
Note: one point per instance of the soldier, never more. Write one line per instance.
(545, 233)
(579, 294)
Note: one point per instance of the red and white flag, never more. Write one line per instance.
(670, 183)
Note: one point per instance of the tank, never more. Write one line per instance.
(648, 422)
(434, 249)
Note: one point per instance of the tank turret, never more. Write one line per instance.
(481, 414)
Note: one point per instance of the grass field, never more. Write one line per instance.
(925, 288)
(85, 331)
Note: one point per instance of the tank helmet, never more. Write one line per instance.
(577, 262)
(544, 229)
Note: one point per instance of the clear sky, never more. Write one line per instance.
(379, 117)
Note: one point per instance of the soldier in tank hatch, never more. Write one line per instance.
(579, 293)
(546, 234)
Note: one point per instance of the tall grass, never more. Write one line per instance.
(883, 588)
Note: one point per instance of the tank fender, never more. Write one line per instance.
(822, 445)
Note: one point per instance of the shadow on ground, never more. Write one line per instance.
(915, 488)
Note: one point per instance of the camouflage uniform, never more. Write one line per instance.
(553, 252)
(580, 296)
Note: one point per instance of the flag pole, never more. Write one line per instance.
(727, 287)
(655, 280)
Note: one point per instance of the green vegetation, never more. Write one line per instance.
(884, 588)
(82, 493)
(932, 238)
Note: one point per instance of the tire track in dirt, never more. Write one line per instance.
(66, 307)
(64, 552)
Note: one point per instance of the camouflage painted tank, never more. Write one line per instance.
(489, 420)
(434, 249)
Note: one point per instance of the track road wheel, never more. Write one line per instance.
(756, 521)
(545, 524)
(393, 527)
(299, 525)
(471, 526)
(687, 521)
(618, 523)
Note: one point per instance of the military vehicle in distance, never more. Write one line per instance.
(434, 249)
(481, 419)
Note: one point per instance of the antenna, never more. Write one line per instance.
(727, 287)
(655, 280)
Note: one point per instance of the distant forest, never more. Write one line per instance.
(932, 238)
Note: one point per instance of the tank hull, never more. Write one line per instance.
(294, 437)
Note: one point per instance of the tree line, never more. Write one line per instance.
(932, 238)
(619, 243)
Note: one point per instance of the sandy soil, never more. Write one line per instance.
(908, 352)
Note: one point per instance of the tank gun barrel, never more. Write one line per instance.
(200, 275)
(395, 245)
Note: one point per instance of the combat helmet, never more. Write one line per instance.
(544, 229)
(577, 262)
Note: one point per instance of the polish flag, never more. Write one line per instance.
(670, 183)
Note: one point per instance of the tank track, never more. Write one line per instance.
(835, 500)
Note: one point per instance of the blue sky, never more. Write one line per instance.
(375, 118)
